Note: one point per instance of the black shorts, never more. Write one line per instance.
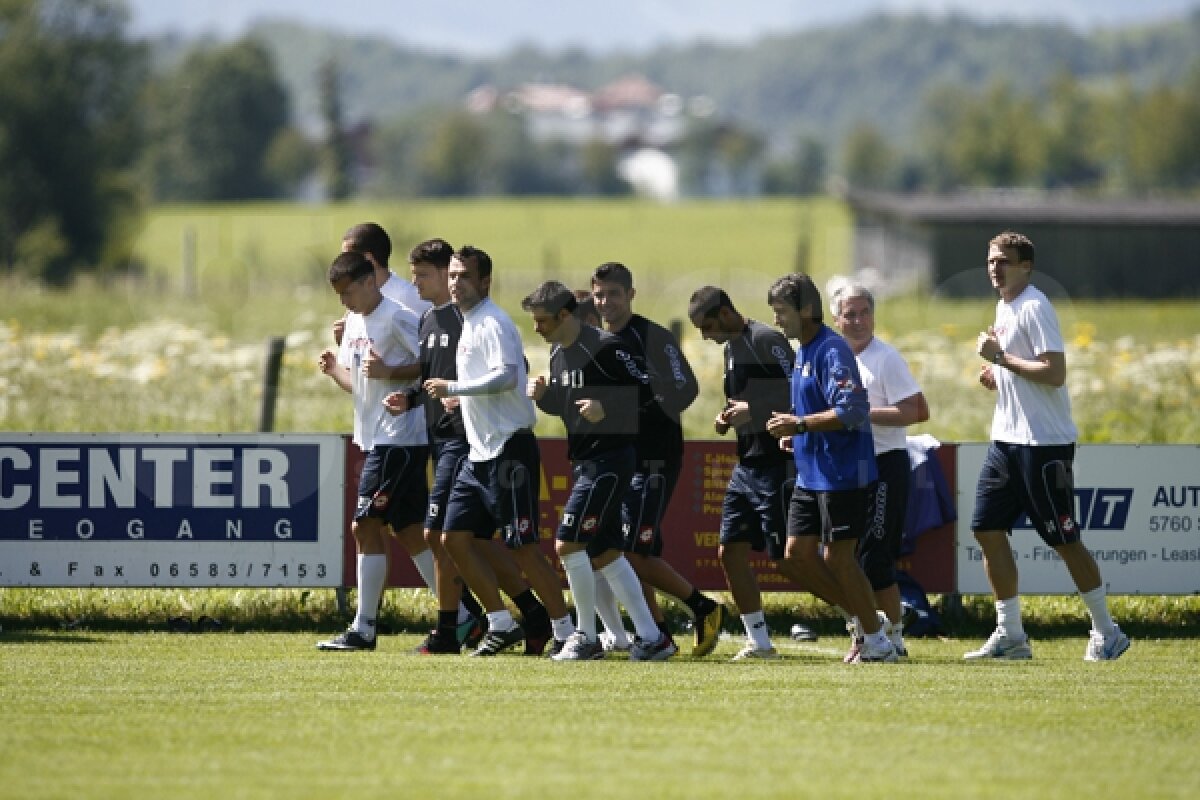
(755, 508)
(880, 545)
(834, 516)
(1038, 480)
(392, 485)
(644, 506)
(592, 514)
(448, 457)
(499, 493)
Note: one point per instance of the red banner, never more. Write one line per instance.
(692, 526)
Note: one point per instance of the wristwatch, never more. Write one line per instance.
(997, 357)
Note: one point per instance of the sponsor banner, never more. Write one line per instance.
(1138, 507)
(171, 510)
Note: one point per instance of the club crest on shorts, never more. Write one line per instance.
(590, 524)
(381, 500)
(646, 535)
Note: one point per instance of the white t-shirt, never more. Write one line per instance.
(1028, 412)
(404, 293)
(888, 379)
(490, 340)
(391, 330)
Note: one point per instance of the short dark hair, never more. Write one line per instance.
(483, 262)
(352, 265)
(707, 302)
(551, 296)
(437, 252)
(370, 237)
(613, 272)
(1011, 240)
(797, 290)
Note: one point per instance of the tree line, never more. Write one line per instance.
(95, 126)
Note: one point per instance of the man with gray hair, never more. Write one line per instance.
(896, 402)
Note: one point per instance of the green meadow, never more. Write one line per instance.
(98, 701)
(179, 345)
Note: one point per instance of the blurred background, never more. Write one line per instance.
(176, 176)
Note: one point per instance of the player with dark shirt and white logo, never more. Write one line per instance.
(596, 386)
(758, 371)
(660, 460)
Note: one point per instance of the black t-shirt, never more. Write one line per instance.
(597, 366)
(758, 369)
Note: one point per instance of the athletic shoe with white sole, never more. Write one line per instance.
(896, 634)
(876, 654)
(660, 649)
(1106, 648)
(347, 641)
(752, 652)
(1004, 647)
(579, 648)
(708, 630)
(496, 641)
(609, 642)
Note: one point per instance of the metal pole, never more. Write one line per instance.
(270, 392)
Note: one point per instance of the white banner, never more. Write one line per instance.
(171, 510)
(1137, 505)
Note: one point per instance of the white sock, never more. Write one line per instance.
(562, 628)
(425, 566)
(1097, 605)
(610, 613)
(756, 629)
(372, 577)
(628, 589)
(582, 581)
(1008, 617)
(501, 620)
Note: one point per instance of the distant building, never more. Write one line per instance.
(639, 118)
(1090, 248)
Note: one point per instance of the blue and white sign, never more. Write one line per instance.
(171, 510)
(1138, 507)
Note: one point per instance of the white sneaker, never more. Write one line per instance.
(752, 651)
(1106, 648)
(609, 642)
(579, 648)
(875, 654)
(1000, 645)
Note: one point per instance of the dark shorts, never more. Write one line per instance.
(592, 514)
(448, 457)
(1038, 480)
(880, 545)
(755, 508)
(500, 493)
(834, 516)
(392, 485)
(644, 506)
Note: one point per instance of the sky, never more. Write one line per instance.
(489, 27)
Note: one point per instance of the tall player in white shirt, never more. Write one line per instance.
(378, 354)
(1030, 463)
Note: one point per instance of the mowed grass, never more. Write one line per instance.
(112, 715)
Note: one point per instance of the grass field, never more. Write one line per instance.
(111, 715)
